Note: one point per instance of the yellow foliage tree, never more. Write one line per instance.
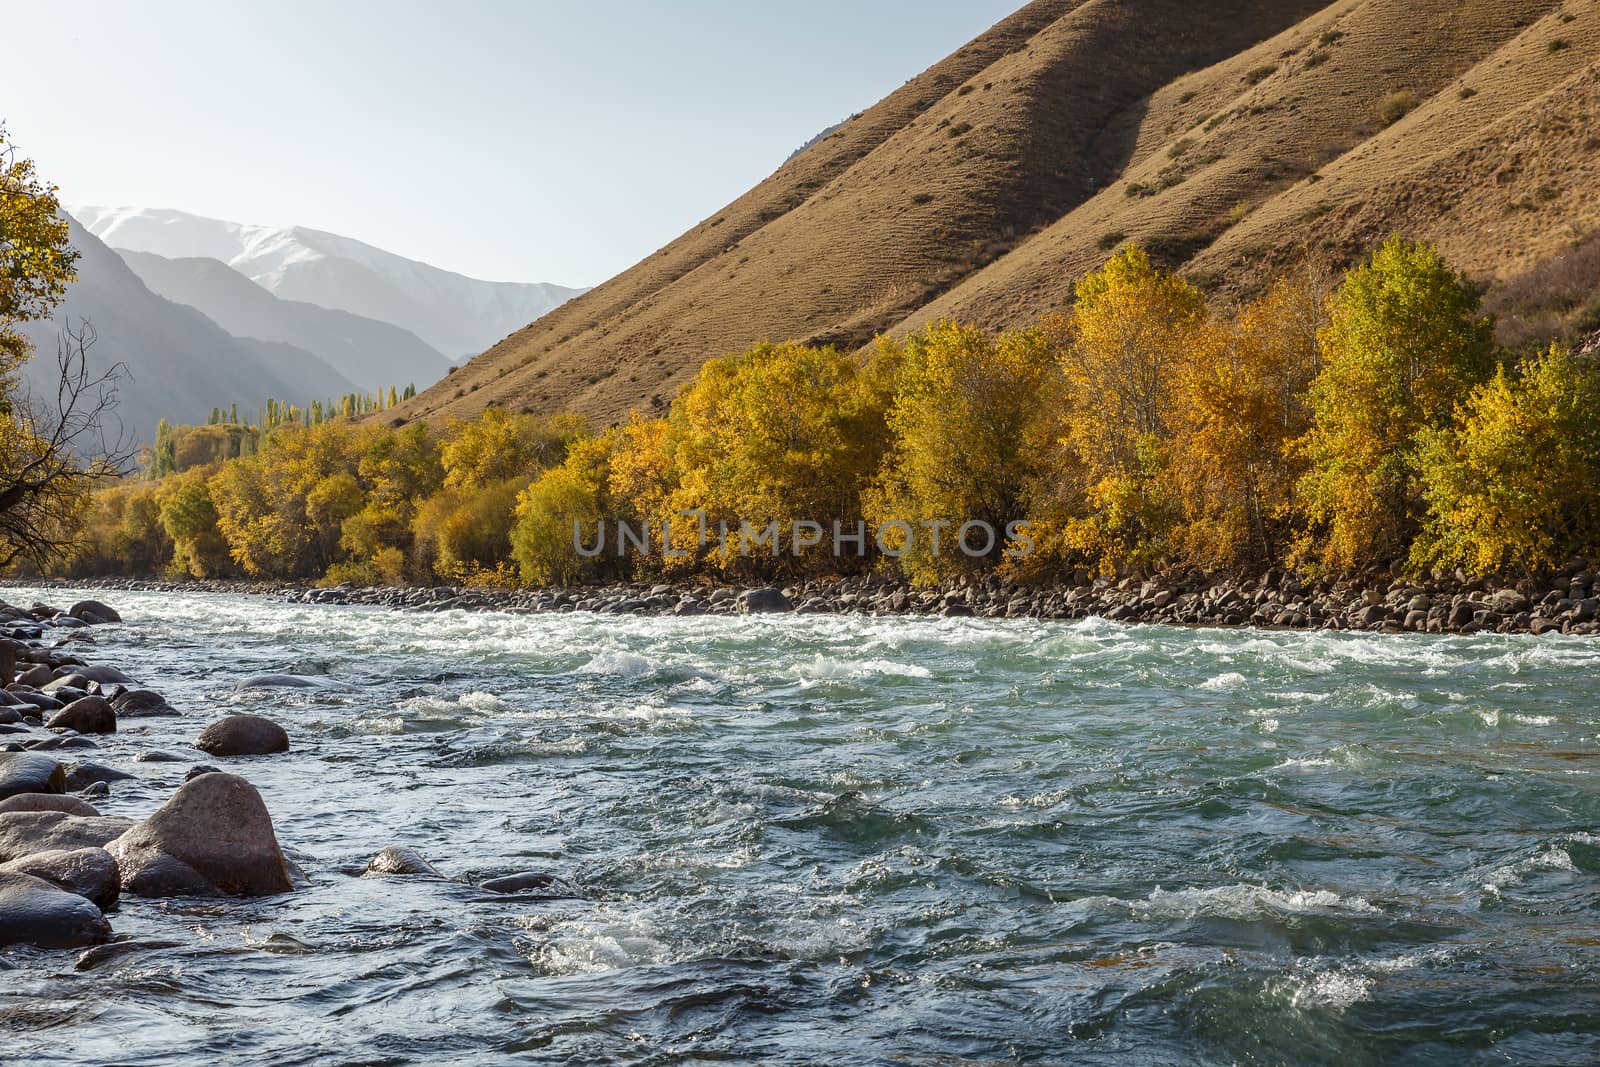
(1405, 344)
(1130, 336)
(1511, 486)
(965, 404)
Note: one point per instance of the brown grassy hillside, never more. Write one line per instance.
(1230, 137)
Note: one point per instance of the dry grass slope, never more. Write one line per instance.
(1231, 138)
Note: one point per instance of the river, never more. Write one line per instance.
(851, 840)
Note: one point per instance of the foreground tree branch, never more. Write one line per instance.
(54, 449)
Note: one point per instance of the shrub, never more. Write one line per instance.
(1396, 106)
(1257, 75)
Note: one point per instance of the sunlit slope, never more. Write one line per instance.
(1228, 137)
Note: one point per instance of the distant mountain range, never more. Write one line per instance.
(204, 313)
(457, 315)
(373, 354)
(179, 363)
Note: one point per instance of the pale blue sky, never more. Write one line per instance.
(532, 141)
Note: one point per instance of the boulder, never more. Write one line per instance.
(48, 802)
(282, 681)
(213, 836)
(93, 612)
(761, 602)
(242, 735)
(1509, 602)
(399, 860)
(103, 673)
(34, 912)
(22, 833)
(526, 882)
(87, 715)
(89, 872)
(83, 775)
(29, 772)
(71, 680)
(132, 703)
(36, 675)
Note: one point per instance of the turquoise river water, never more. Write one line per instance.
(850, 840)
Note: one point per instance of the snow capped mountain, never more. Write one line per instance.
(455, 314)
(177, 363)
(376, 354)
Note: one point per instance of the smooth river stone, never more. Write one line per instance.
(34, 912)
(48, 802)
(23, 833)
(242, 735)
(399, 860)
(213, 836)
(29, 772)
(89, 872)
(88, 715)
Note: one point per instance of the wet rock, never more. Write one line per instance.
(762, 602)
(134, 703)
(23, 833)
(48, 802)
(213, 834)
(284, 681)
(93, 612)
(75, 682)
(34, 912)
(95, 789)
(35, 676)
(83, 775)
(399, 860)
(104, 674)
(91, 873)
(1509, 602)
(524, 882)
(157, 756)
(199, 769)
(28, 772)
(242, 735)
(89, 715)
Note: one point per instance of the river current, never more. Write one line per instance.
(852, 840)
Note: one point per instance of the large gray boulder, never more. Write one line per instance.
(22, 833)
(214, 836)
(89, 872)
(762, 602)
(29, 772)
(34, 912)
(242, 735)
(87, 715)
(137, 702)
(103, 673)
(93, 612)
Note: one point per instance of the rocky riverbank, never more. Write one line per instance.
(65, 866)
(1440, 603)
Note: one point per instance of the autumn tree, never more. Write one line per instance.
(965, 402)
(1127, 341)
(1405, 344)
(1511, 485)
(780, 434)
(1238, 406)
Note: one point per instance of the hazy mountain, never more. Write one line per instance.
(1227, 137)
(179, 364)
(455, 314)
(371, 353)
